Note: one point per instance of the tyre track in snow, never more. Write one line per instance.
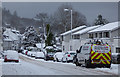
(64, 68)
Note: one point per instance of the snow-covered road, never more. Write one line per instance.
(28, 66)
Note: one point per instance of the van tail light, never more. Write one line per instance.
(69, 55)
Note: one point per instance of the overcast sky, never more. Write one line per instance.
(91, 10)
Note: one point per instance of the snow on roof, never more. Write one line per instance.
(73, 30)
(7, 40)
(11, 35)
(86, 29)
(107, 27)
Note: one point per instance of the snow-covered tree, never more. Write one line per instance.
(100, 21)
(30, 36)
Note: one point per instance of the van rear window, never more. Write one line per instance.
(101, 49)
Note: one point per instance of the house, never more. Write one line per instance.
(20, 37)
(108, 33)
(80, 37)
(10, 40)
(66, 37)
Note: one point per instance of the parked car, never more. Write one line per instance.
(116, 58)
(58, 56)
(32, 53)
(24, 51)
(11, 55)
(49, 56)
(68, 56)
(39, 55)
(28, 53)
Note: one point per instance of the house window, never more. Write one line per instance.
(70, 48)
(76, 36)
(63, 48)
(100, 35)
(117, 49)
(91, 36)
(96, 35)
(106, 34)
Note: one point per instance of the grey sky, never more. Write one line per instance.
(109, 10)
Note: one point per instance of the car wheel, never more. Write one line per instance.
(67, 61)
(87, 64)
(62, 60)
(5, 61)
(57, 59)
(77, 63)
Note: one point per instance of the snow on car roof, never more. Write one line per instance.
(107, 27)
(73, 30)
(86, 30)
(11, 51)
(71, 51)
(49, 47)
(39, 45)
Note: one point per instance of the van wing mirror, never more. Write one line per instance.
(77, 51)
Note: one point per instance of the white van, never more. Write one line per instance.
(94, 55)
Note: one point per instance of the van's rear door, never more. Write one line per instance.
(100, 54)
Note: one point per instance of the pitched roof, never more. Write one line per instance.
(73, 30)
(86, 30)
(107, 27)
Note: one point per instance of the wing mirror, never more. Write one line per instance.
(77, 51)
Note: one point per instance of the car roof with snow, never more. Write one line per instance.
(71, 51)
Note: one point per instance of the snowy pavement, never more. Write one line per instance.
(30, 66)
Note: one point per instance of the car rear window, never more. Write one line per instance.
(72, 53)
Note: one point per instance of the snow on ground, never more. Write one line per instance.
(24, 68)
(50, 61)
(112, 69)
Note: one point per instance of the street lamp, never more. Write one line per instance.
(71, 19)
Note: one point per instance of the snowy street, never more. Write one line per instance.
(30, 66)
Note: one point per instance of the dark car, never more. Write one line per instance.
(49, 56)
(116, 58)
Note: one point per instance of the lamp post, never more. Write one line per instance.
(71, 19)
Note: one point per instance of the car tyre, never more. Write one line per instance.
(87, 64)
(77, 63)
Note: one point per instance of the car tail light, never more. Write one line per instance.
(69, 55)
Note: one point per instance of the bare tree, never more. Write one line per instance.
(62, 18)
(43, 18)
